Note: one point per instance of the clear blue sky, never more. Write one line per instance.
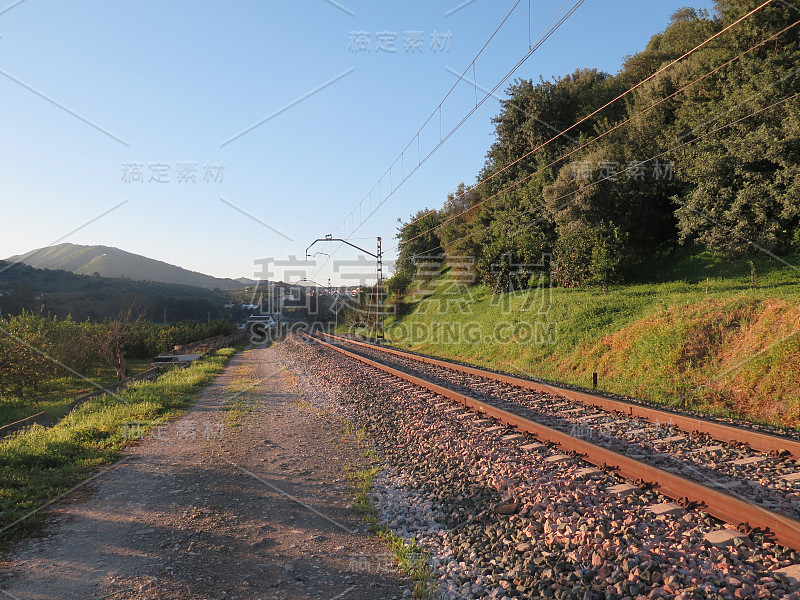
(165, 83)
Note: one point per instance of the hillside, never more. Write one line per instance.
(113, 262)
(688, 144)
(62, 293)
(712, 335)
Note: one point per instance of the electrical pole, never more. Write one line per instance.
(378, 277)
(378, 296)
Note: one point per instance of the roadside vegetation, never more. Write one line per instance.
(46, 362)
(40, 464)
(721, 337)
(701, 153)
(411, 557)
(237, 396)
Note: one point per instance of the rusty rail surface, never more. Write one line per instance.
(757, 440)
(784, 530)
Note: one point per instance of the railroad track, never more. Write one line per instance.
(771, 480)
(756, 440)
(686, 491)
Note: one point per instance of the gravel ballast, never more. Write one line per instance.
(753, 476)
(500, 520)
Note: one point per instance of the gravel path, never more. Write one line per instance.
(208, 510)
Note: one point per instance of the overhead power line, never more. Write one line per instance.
(595, 139)
(610, 102)
(552, 28)
(643, 162)
(443, 137)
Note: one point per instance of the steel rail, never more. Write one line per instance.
(784, 530)
(757, 440)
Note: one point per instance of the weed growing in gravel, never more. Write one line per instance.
(409, 554)
(414, 562)
(304, 404)
(362, 481)
(40, 464)
(236, 395)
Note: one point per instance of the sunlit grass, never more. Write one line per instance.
(59, 392)
(722, 337)
(237, 398)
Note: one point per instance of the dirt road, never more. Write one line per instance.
(208, 508)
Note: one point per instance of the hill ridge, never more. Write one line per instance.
(108, 261)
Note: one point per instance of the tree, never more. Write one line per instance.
(457, 215)
(112, 337)
(73, 344)
(606, 257)
(25, 354)
(743, 168)
(514, 229)
(398, 283)
(418, 239)
(22, 298)
(587, 256)
(572, 255)
(396, 287)
(705, 152)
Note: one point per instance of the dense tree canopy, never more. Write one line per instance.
(704, 151)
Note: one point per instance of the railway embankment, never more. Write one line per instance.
(721, 345)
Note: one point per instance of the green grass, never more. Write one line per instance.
(719, 336)
(60, 392)
(411, 557)
(237, 400)
(361, 481)
(40, 464)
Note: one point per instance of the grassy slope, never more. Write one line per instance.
(39, 463)
(722, 345)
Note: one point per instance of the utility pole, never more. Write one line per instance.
(378, 296)
(378, 277)
(331, 302)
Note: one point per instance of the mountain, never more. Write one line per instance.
(61, 293)
(113, 262)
